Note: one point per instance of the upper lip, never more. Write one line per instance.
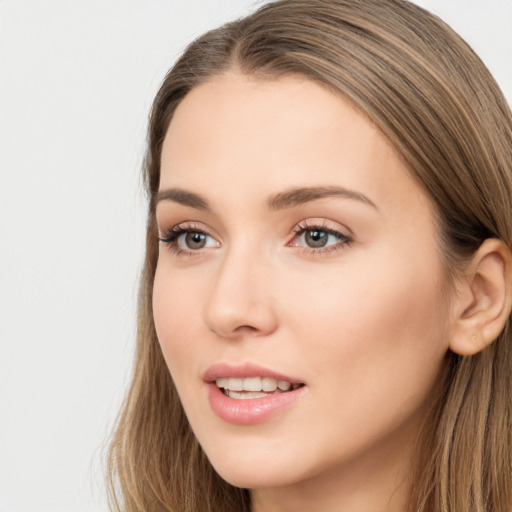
(227, 370)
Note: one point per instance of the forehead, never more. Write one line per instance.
(234, 112)
(237, 133)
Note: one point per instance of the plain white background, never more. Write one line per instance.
(76, 82)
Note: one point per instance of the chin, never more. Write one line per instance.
(260, 467)
(253, 477)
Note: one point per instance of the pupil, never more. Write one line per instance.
(195, 240)
(315, 238)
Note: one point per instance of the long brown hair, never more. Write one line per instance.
(432, 97)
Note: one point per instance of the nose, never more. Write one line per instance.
(241, 299)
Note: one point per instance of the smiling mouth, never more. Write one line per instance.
(254, 387)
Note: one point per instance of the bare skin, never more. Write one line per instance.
(338, 286)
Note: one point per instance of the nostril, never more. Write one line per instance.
(245, 329)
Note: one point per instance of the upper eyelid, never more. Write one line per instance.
(325, 224)
(186, 226)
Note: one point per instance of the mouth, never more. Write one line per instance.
(250, 388)
(248, 394)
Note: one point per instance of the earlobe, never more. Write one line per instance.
(484, 299)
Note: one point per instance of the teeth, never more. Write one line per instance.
(283, 385)
(254, 384)
(233, 384)
(268, 384)
(245, 395)
(251, 384)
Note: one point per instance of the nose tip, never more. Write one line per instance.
(240, 304)
(246, 320)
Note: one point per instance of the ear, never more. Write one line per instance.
(484, 299)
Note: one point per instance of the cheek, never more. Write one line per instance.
(176, 313)
(377, 340)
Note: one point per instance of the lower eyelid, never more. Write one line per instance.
(326, 251)
(340, 242)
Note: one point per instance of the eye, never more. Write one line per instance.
(193, 240)
(319, 238)
(316, 239)
(188, 238)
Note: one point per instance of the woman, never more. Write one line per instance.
(325, 302)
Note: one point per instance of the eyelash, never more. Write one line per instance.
(173, 234)
(304, 227)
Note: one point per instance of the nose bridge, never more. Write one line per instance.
(240, 299)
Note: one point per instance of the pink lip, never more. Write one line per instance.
(220, 370)
(252, 411)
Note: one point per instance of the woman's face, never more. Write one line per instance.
(297, 252)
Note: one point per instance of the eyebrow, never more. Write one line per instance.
(298, 196)
(183, 197)
(280, 201)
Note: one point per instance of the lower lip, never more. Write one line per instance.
(251, 411)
